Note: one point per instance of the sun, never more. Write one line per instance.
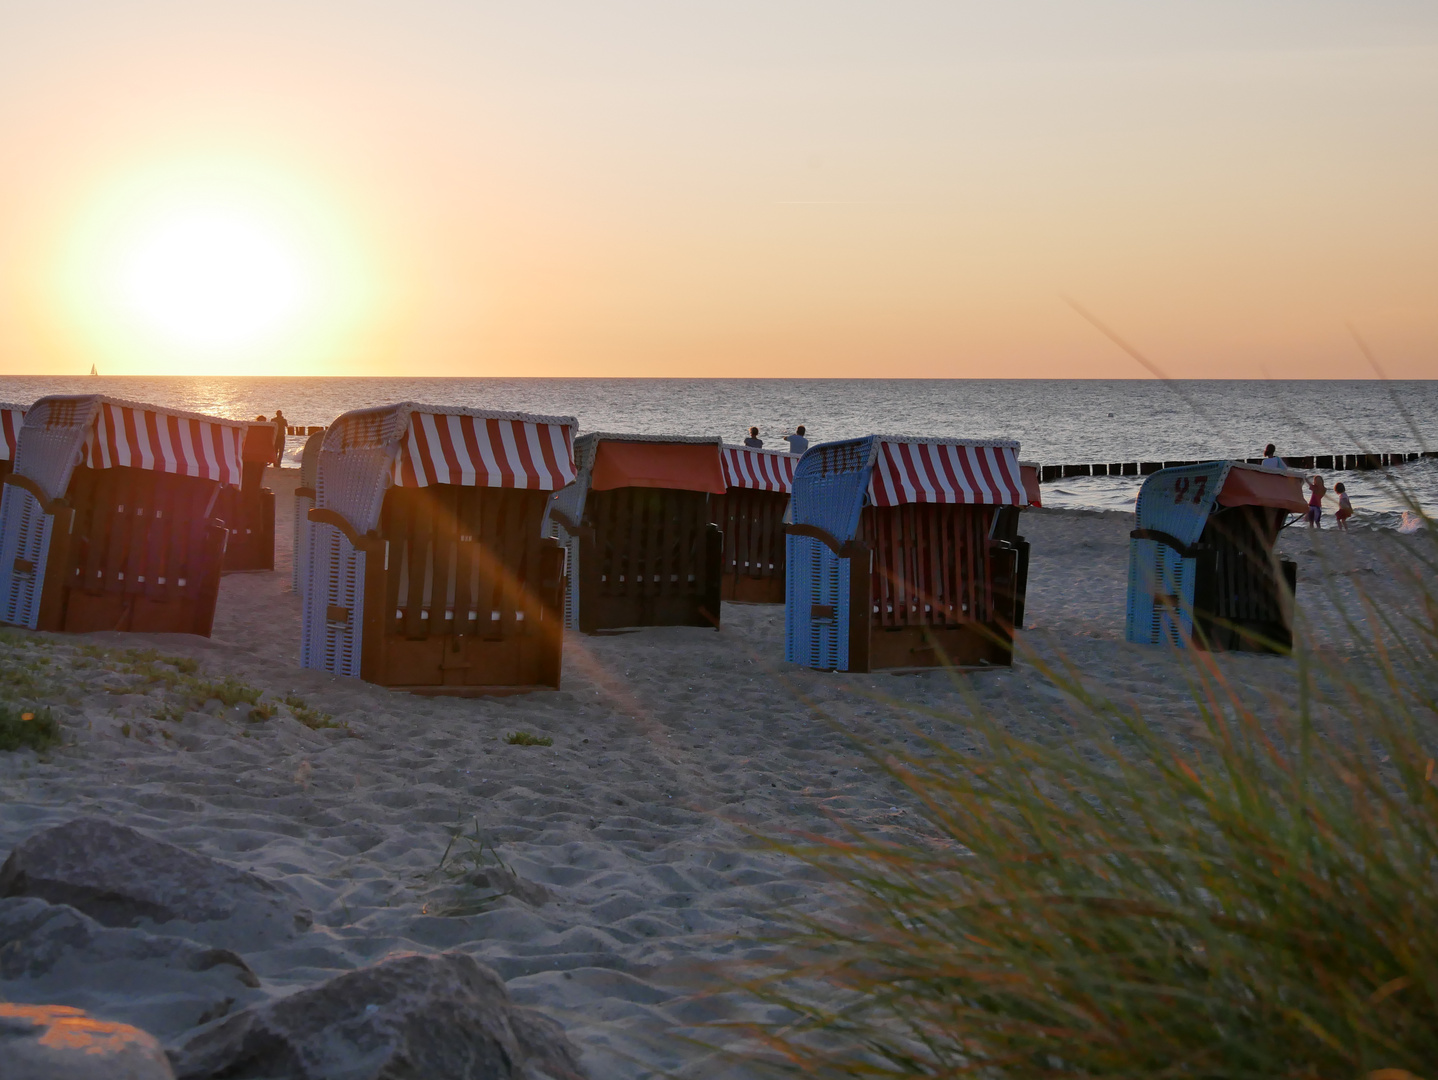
(214, 277)
(217, 265)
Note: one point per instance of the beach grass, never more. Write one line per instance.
(24, 727)
(1246, 891)
(525, 738)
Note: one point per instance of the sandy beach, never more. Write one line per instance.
(631, 835)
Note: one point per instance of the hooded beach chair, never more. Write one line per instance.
(638, 526)
(751, 515)
(108, 521)
(248, 511)
(904, 553)
(1202, 568)
(11, 418)
(427, 570)
(304, 503)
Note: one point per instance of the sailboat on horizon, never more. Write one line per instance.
(92, 370)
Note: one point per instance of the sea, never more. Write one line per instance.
(1055, 421)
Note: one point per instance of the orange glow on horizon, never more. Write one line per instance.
(660, 190)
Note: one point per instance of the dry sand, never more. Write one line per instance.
(669, 745)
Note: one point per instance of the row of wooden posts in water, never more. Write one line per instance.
(446, 550)
(1350, 462)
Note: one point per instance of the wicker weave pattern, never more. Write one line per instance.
(354, 483)
(831, 485)
(24, 536)
(52, 442)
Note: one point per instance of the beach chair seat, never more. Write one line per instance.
(427, 567)
(904, 553)
(638, 524)
(108, 520)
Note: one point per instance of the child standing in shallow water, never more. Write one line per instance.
(1315, 501)
(1345, 507)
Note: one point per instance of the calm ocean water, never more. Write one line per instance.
(1055, 421)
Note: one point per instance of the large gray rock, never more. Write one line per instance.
(407, 1017)
(53, 1042)
(119, 877)
(53, 954)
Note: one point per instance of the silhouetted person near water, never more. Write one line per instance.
(281, 426)
(753, 441)
(797, 443)
(1271, 460)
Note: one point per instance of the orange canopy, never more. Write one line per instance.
(1030, 476)
(1263, 487)
(679, 466)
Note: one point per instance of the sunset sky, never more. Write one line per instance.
(681, 188)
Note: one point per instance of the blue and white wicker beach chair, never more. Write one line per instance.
(637, 527)
(427, 568)
(904, 552)
(1202, 568)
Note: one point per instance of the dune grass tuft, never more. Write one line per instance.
(1253, 896)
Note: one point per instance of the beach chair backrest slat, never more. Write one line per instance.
(816, 630)
(25, 531)
(334, 623)
(930, 564)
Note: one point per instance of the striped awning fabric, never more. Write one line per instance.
(501, 450)
(11, 417)
(759, 470)
(946, 471)
(160, 440)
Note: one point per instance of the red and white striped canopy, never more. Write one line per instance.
(11, 417)
(946, 471)
(157, 439)
(501, 450)
(759, 470)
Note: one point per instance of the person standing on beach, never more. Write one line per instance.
(1345, 506)
(753, 441)
(281, 426)
(1271, 460)
(1315, 501)
(797, 443)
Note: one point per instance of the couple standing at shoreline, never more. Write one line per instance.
(1316, 489)
(797, 442)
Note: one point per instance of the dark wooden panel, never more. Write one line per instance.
(647, 559)
(459, 556)
(143, 553)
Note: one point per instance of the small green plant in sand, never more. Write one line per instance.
(1250, 897)
(24, 727)
(524, 738)
(311, 718)
(478, 877)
